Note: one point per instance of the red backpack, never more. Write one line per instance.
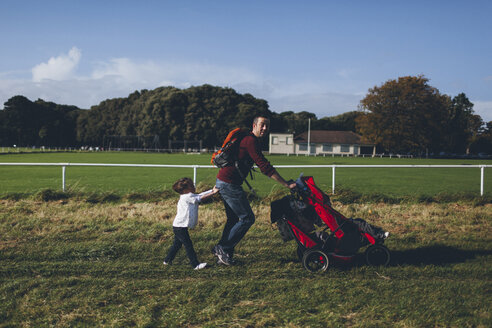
(228, 153)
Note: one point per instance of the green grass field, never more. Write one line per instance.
(78, 264)
(96, 260)
(386, 181)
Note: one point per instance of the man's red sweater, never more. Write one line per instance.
(249, 154)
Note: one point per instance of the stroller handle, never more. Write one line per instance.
(300, 190)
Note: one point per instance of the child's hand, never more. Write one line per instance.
(215, 190)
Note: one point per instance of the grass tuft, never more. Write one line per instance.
(151, 196)
(343, 196)
(46, 195)
(347, 196)
(14, 196)
(105, 197)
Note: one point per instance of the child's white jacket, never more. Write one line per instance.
(187, 215)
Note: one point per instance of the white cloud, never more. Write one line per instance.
(345, 73)
(125, 71)
(57, 68)
(128, 72)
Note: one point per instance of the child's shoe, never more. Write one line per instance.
(200, 266)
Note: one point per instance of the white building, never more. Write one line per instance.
(281, 143)
(321, 143)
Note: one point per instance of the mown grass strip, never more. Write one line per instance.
(395, 182)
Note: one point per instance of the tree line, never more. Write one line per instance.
(402, 116)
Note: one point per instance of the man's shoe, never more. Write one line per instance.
(222, 256)
(218, 250)
(200, 266)
(215, 250)
(223, 259)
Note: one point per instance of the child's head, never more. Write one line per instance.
(183, 186)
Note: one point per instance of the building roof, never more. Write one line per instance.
(337, 137)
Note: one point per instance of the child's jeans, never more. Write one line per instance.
(182, 237)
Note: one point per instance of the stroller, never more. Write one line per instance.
(306, 215)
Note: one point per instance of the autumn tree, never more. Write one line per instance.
(406, 115)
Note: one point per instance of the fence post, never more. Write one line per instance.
(482, 173)
(333, 180)
(194, 175)
(63, 178)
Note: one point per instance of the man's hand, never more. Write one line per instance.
(275, 176)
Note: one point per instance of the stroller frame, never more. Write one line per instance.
(317, 249)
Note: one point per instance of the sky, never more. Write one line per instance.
(315, 56)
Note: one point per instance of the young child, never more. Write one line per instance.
(187, 217)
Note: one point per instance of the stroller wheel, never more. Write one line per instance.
(315, 261)
(377, 255)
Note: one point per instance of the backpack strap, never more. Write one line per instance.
(243, 134)
(236, 164)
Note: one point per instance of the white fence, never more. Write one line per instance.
(196, 167)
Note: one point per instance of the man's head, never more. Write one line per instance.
(260, 126)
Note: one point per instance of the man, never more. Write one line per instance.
(240, 217)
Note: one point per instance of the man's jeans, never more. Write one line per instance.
(240, 217)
